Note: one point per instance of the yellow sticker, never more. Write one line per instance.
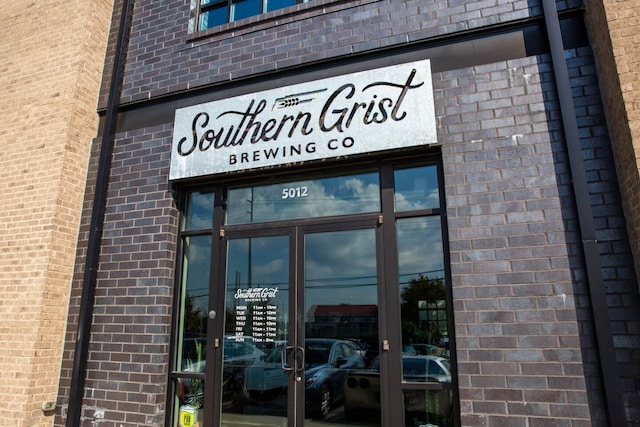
(187, 416)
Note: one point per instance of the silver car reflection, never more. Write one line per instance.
(362, 391)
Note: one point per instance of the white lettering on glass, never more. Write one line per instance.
(254, 294)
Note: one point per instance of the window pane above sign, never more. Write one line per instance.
(304, 199)
(376, 110)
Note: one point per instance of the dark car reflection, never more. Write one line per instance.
(327, 363)
(432, 406)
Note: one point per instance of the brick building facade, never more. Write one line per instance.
(52, 58)
(527, 287)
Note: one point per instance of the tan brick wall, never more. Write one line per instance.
(51, 59)
(614, 29)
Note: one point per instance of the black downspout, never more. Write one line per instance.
(85, 315)
(604, 340)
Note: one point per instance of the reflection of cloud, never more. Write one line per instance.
(342, 254)
(305, 199)
(429, 200)
(200, 213)
(274, 269)
(420, 247)
(340, 268)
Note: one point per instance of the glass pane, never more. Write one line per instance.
(428, 408)
(245, 8)
(279, 4)
(256, 314)
(213, 17)
(196, 267)
(192, 327)
(199, 212)
(304, 199)
(422, 286)
(416, 188)
(341, 327)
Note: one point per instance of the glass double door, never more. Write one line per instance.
(300, 328)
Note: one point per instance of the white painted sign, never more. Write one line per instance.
(375, 110)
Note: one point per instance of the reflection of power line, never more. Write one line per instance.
(322, 282)
(349, 285)
(422, 272)
(336, 279)
(197, 296)
(258, 284)
(345, 278)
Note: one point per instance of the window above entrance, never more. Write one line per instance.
(341, 195)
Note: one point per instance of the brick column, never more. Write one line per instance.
(614, 29)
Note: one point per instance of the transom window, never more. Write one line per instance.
(211, 13)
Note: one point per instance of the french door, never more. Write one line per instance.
(301, 313)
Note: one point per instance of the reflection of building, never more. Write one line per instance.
(343, 321)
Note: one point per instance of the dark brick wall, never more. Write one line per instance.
(508, 198)
(526, 350)
(162, 58)
(130, 334)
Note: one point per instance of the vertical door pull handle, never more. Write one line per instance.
(300, 365)
(285, 350)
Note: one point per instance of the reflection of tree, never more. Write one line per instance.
(194, 318)
(230, 322)
(431, 291)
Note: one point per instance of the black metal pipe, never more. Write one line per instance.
(85, 316)
(604, 340)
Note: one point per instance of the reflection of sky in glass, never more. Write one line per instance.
(420, 248)
(416, 188)
(199, 212)
(304, 199)
(258, 261)
(245, 8)
(196, 270)
(213, 17)
(279, 4)
(261, 262)
(340, 268)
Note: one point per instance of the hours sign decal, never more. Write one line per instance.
(382, 109)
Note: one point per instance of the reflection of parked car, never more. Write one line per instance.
(327, 362)
(362, 390)
(238, 351)
(238, 354)
(241, 351)
(430, 350)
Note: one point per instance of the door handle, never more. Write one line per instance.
(284, 351)
(300, 366)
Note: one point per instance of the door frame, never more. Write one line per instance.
(296, 232)
(387, 269)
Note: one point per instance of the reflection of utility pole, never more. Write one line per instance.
(250, 277)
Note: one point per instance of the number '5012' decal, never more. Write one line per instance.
(295, 192)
